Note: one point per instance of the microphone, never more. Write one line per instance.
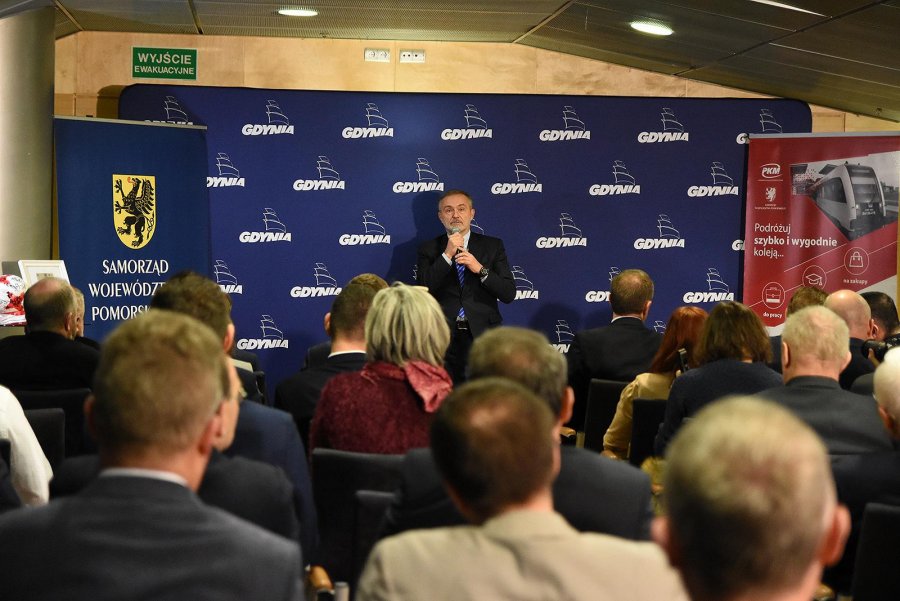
(455, 230)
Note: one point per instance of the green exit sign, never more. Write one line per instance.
(164, 63)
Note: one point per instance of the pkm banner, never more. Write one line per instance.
(821, 211)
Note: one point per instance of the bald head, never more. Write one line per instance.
(50, 306)
(854, 310)
(887, 390)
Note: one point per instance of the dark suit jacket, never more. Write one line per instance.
(299, 394)
(269, 435)
(619, 351)
(859, 365)
(775, 363)
(593, 493)
(46, 361)
(9, 499)
(251, 490)
(861, 479)
(479, 299)
(848, 423)
(141, 538)
(864, 384)
(316, 355)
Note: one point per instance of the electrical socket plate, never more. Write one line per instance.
(412, 56)
(377, 55)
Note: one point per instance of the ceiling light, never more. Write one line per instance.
(298, 12)
(651, 27)
(788, 7)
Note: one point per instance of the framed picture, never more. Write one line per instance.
(33, 270)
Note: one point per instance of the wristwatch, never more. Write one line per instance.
(483, 273)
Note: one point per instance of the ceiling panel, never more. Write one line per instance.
(151, 16)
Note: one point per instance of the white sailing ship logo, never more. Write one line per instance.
(601, 296)
(326, 285)
(624, 182)
(718, 290)
(476, 127)
(573, 128)
(275, 230)
(768, 122)
(329, 178)
(524, 286)
(374, 232)
(672, 130)
(377, 125)
(668, 236)
(271, 337)
(278, 123)
(564, 336)
(570, 234)
(723, 184)
(428, 180)
(225, 279)
(174, 112)
(229, 175)
(526, 181)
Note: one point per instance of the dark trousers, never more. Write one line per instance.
(457, 357)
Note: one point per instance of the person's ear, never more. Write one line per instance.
(785, 356)
(662, 536)
(567, 405)
(326, 322)
(229, 337)
(832, 548)
(846, 361)
(646, 310)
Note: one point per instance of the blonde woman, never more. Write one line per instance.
(388, 406)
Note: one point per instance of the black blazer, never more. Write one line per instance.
(252, 490)
(479, 299)
(46, 361)
(594, 494)
(619, 351)
(128, 537)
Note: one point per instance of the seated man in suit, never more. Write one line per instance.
(855, 311)
(814, 351)
(139, 531)
(255, 491)
(619, 351)
(79, 321)
(317, 354)
(804, 296)
(886, 329)
(873, 477)
(751, 505)
(593, 493)
(262, 433)
(47, 357)
(496, 445)
(346, 324)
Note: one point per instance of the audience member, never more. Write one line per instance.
(682, 334)
(262, 433)
(138, 531)
(79, 321)
(317, 355)
(619, 351)
(388, 406)
(346, 325)
(732, 354)
(814, 352)
(751, 508)
(30, 471)
(251, 490)
(47, 357)
(496, 446)
(886, 330)
(873, 477)
(884, 314)
(805, 296)
(593, 493)
(854, 310)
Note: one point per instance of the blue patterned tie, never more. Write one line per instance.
(461, 273)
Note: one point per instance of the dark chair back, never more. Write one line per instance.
(336, 476)
(49, 426)
(646, 416)
(5, 450)
(876, 577)
(371, 507)
(71, 401)
(603, 396)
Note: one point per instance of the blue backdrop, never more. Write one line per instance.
(308, 189)
(132, 210)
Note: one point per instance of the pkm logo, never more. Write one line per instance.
(134, 209)
(770, 171)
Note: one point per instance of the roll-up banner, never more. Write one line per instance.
(821, 211)
(310, 188)
(133, 209)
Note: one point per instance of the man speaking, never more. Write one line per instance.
(467, 273)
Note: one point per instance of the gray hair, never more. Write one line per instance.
(405, 323)
(817, 333)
